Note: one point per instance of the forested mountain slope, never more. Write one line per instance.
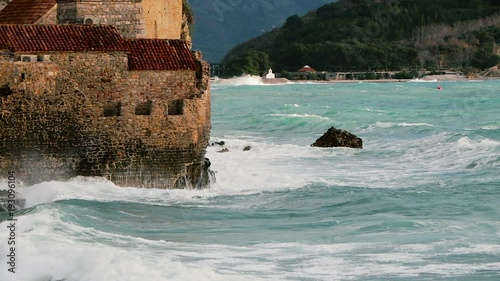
(222, 24)
(368, 35)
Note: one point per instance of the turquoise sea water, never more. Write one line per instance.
(421, 201)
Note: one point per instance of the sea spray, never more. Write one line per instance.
(419, 202)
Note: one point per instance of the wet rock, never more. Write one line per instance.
(198, 176)
(4, 203)
(338, 138)
(219, 143)
(247, 148)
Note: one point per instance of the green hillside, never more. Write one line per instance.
(221, 24)
(366, 35)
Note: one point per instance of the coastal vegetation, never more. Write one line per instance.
(221, 24)
(374, 35)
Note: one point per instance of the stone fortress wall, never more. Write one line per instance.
(92, 113)
(163, 19)
(133, 18)
(126, 15)
(86, 114)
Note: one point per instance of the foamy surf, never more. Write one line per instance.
(102, 190)
(419, 202)
(300, 116)
(248, 80)
(238, 81)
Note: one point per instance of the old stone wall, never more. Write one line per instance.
(86, 114)
(186, 31)
(160, 19)
(127, 16)
(163, 18)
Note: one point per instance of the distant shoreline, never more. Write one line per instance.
(427, 79)
(256, 80)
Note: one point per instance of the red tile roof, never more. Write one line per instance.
(25, 11)
(306, 68)
(143, 54)
(160, 54)
(61, 38)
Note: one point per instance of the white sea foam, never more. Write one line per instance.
(97, 189)
(466, 143)
(420, 80)
(300, 116)
(50, 249)
(401, 124)
(55, 249)
(272, 166)
(56, 245)
(250, 80)
(265, 167)
(238, 81)
(492, 128)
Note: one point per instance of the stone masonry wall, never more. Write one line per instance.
(163, 18)
(86, 114)
(186, 31)
(127, 16)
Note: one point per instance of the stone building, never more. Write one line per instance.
(160, 19)
(111, 100)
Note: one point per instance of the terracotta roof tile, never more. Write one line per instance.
(160, 54)
(143, 54)
(25, 11)
(61, 38)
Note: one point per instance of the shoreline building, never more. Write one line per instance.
(103, 88)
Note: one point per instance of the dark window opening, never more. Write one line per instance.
(5, 91)
(89, 21)
(23, 76)
(112, 109)
(144, 108)
(176, 107)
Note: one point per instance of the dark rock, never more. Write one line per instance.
(247, 148)
(338, 138)
(19, 201)
(220, 143)
(198, 176)
(223, 150)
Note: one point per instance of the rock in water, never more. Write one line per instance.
(338, 138)
(5, 205)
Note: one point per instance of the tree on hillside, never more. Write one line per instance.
(367, 35)
(253, 63)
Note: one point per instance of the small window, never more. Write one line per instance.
(144, 108)
(5, 91)
(89, 21)
(176, 107)
(112, 109)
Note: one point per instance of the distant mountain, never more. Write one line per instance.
(367, 35)
(222, 24)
